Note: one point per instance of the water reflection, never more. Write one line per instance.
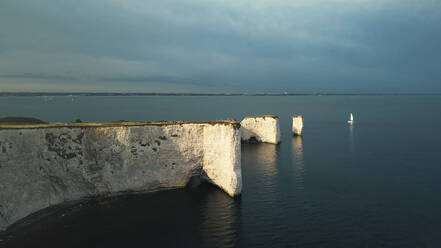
(220, 217)
(298, 161)
(266, 154)
(261, 196)
(351, 137)
(260, 160)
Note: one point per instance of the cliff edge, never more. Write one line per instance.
(45, 164)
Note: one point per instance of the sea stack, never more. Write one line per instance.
(262, 128)
(297, 125)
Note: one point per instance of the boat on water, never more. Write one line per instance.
(351, 119)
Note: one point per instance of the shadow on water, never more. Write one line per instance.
(190, 217)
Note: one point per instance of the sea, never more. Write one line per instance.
(375, 183)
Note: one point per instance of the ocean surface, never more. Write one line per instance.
(376, 183)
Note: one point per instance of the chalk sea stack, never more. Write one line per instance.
(262, 128)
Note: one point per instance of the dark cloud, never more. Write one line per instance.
(38, 76)
(304, 46)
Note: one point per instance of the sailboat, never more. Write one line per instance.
(351, 119)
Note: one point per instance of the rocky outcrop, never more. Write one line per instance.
(297, 125)
(264, 128)
(46, 165)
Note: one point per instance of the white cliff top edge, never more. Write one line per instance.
(234, 123)
(262, 116)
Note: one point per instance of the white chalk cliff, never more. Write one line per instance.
(297, 124)
(45, 166)
(264, 128)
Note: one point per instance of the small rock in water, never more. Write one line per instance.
(297, 125)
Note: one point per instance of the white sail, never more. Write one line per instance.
(351, 118)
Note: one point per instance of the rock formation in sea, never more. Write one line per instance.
(297, 125)
(263, 128)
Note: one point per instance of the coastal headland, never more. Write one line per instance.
(46, 164)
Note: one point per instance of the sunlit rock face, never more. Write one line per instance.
(263, 128)
(297, 125)
(41, 167)
(221, 163)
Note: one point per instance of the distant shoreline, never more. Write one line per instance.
(206, 94)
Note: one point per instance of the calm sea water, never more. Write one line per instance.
(376, 183)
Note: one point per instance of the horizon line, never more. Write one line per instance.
(80, 93)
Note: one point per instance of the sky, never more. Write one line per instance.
(214, 46)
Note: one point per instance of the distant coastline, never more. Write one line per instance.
(204, 94)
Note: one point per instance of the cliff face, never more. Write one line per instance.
(41, 167)
(297, 125)
(263, 128)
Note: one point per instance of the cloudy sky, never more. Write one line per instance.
(305, 46)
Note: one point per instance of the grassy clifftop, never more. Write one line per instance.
(29, 122)
(262, 116)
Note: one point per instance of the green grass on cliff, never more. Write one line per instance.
(29, 122)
